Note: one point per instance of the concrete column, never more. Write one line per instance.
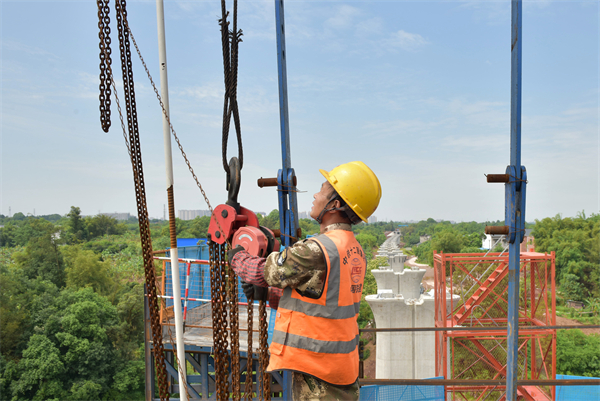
(410, 283)
(386, 280)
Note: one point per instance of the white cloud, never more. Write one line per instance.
(368, 27)
(343, 18)
(406, 40)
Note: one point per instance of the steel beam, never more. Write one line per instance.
(286, 178)
(515, 200)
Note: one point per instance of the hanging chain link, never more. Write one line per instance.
(138, 175)
(264, 349)
(219, 316)
(232, 290)
(224, 303)
(250, 365)
(105, 62)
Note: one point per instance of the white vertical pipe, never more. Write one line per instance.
(164, 92)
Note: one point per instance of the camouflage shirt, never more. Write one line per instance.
(301, 266)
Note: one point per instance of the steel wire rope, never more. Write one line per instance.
(230, 70)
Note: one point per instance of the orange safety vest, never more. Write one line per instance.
(320, 336)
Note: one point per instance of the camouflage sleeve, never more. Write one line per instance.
(302, 266)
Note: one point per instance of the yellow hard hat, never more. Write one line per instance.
(357, 185)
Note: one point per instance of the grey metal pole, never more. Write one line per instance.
(164, 90)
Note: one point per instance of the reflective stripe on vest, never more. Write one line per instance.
(310, 344)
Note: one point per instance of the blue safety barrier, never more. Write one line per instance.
(199, 287)
(577, 393)
(402, 393)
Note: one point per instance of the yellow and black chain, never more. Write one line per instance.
(105, 61)
(138, 176)
(249, 367)
(234, 328)
(263, 349)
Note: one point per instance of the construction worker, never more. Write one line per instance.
(320, 283)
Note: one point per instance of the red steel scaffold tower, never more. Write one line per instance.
(471, 290)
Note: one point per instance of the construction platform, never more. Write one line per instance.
(200, 334)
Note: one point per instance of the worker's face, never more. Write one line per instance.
(321, 199)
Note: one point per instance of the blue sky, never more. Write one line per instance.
(419, 91)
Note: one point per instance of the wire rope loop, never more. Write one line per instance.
(230, 44)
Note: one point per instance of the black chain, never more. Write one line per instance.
(230, 67)
(142, 208)
(105, 62)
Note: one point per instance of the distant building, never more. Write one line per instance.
(117, 216)
(303, 215)
(192, 214)
(424, 238)
(373, 219)
(492, 240)
(528, 244)
(263, 214)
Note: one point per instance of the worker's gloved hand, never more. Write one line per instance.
(231, 253)
(248, 289)
(261, 293)
(255, 292)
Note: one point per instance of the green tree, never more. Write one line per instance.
(14, 313)
(199, 227)
(41, 371)
(367, 241)
(424, 253)
(18, 216)
(72, 355)
(76, 228)
(84, 269)
(576, 242)
(42, 258)
(577, 354)
(571, 288)
(100, 225)
(271, 220)
(309, 227)
(447, 241)
(20, 232)
(7, 235)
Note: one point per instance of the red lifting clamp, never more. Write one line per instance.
(238, 224)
